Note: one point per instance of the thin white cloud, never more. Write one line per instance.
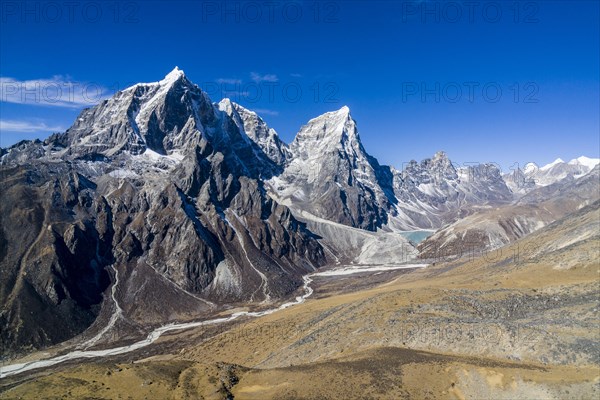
(28, 126)
(265, 111)
(229, 81)
(57, 91)
(294, 75)
(258, 78)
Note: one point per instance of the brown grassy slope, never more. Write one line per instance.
(384, 373)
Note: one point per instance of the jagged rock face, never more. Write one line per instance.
(519, 182)
(159, 179)
(325, 171)
(156, 226)
(432, 181)
(434, 193)
(259, 132)
(192, 203)
(163, 116)
(21, 152)
(331, 175)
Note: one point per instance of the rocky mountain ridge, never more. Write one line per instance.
(493, 228)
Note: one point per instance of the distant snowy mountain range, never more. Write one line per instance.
(521, 181)
(495, 227)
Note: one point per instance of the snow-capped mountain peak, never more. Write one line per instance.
(328, 162)
(344, 110)
(164, 116)
(441, 161)
(440, 155)
(333, 117)
(326, 131)
(172, 76)
(585, 161)
(552, 164)
(226, 105)
(331, 132)
(439, 167)
(169, 80)
(534, 176)
(326, 171)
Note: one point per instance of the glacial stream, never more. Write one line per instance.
(8, 370)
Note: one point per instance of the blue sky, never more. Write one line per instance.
(497, 81)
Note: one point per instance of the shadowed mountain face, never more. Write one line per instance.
(55, 239)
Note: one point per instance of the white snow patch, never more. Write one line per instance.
(123, 173)
(349, 270)
(590, 163)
